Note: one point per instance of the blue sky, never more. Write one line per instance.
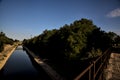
(22, 19)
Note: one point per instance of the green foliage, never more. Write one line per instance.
(71, 42)
(94, 53)
(4, 40)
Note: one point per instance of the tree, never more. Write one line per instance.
(72, 42)
(4, 40)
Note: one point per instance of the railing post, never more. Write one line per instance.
(93, 70)
(90, 74)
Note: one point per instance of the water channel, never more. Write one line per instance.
(21, 66)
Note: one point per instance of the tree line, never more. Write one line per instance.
(76, 41)
(4, 40)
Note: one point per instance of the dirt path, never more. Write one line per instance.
(113, 69)
(5, 54)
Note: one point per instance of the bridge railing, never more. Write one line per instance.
(95, 70)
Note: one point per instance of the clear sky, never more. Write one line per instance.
(22, 19)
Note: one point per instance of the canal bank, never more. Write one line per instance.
(52, 73)
(5, 54)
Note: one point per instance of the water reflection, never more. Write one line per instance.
(20, 65)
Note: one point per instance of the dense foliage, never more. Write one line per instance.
(81, 39)
(117, 40)
(4, 40)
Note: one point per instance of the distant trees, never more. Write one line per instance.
(4, 40)
(71, 42)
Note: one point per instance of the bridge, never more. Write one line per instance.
(19, 48)
(19, 45)
(100, 69)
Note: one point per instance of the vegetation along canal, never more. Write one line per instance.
(21, 66)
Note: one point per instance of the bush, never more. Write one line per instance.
(94, 53)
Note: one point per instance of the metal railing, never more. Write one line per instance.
(95, 70)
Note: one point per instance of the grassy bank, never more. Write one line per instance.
(6, 53)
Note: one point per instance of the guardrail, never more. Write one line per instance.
(95, 70)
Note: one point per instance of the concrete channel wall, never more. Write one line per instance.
(52, 73)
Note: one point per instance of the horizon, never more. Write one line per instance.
(52, 29)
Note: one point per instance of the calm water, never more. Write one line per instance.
(21, 66)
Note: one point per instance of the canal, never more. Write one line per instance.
(21, 66)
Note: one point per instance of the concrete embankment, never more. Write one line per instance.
(52, 73)
(113, 69)
(5, 54)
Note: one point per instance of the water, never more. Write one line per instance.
(21, 66)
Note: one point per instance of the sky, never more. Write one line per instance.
(23, 19)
